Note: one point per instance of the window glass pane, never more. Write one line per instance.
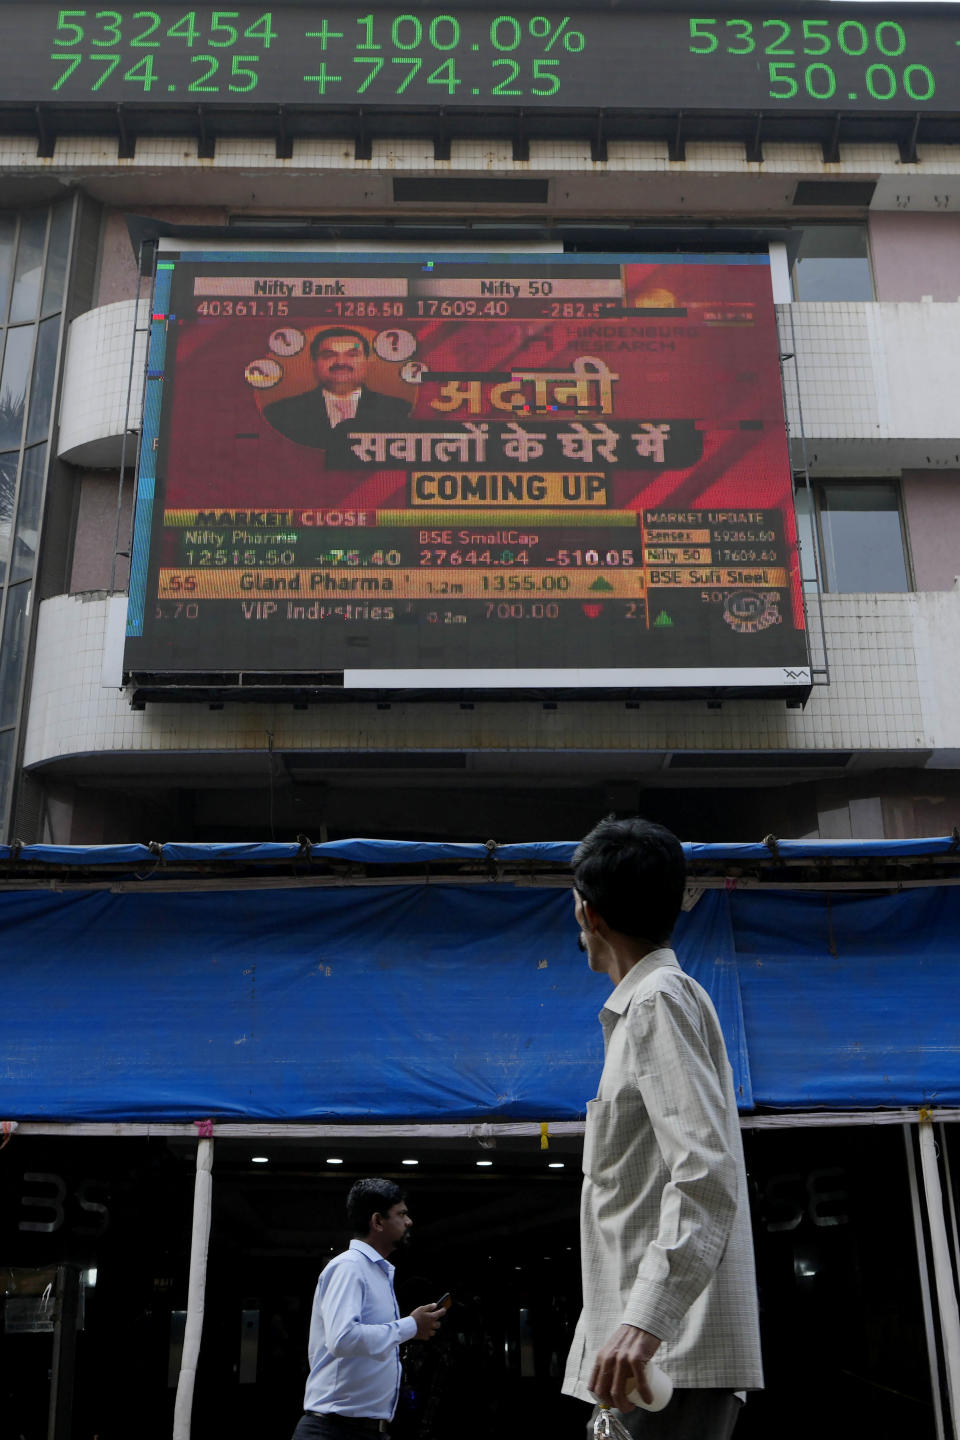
(13, 385)
(8, 491)
(56, 268)
(28, 513)
(832, 264)
(862, 536)
(8, 234)
(29, 267)
(6, 774)
(13, 651)
(806, 534)
(41, 387)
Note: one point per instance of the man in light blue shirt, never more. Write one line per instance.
(355, 1327)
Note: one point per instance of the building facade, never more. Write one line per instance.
(864, 257)
(106, 171)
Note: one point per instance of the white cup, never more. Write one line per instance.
(661, 1387)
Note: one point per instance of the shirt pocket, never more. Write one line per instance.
(598, 1141)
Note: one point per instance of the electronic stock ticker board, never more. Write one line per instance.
(850, 59)
(467, 473)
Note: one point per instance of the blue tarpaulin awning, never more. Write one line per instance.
(368, 1002)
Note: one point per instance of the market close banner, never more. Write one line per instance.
(467, 472)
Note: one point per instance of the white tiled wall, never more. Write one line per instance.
(877, 373)
(893, 690)
(97, 380)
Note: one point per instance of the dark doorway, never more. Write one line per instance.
(843, 1329)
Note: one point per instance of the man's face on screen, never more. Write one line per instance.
(341, 364)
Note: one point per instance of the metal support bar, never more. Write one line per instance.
(676, 146)
(46, 140)
(362, 144)
(196, 1290)
(127, 146)
(951, 1197)
(206, 143)
(754, 146)
(942, 1269)
(598, 144)
(831, 147)
(441, 136)
(59, 1423)
(823, 670)
(284, 143)
(441, 1130)
(138, 329)
(521, 140)
(926, 1303)
(908, 146)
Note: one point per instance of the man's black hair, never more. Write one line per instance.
(368, 1198)
(339, 332)
(633, 873)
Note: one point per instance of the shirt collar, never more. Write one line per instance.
(623, 993)
(372, 1254)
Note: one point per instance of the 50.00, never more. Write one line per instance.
(820, 81)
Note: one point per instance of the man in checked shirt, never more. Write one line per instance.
(666, 1248)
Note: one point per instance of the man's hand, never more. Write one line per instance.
(620, 1366)
(428, 1318)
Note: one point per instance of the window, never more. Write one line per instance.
(34, 254)
(832, 263)
(856, 529)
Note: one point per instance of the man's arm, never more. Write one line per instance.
(341, 1304)
(686, 1103)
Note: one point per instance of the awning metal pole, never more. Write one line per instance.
(942, 1269)
(926, 1299)
(196, 1289)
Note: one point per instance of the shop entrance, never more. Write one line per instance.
(842, 1317)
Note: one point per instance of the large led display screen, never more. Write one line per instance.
(822, 58)
(467, 472)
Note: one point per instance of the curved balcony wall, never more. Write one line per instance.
(891, 698)
(97, 380)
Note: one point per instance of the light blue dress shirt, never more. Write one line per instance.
(355, 1332)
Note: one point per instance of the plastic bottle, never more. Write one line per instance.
(661, 1387)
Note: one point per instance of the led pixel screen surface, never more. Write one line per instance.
(841, 57)
(467, 472)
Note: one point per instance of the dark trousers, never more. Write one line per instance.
(311, 1426)
(691, 1415)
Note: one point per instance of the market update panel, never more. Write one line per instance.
(467, 472)
(850, 59)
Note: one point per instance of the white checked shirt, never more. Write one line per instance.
(664, 1218)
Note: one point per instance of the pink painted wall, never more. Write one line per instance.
(96, 529)
(118, 264)
(931, 502)
(915, 255)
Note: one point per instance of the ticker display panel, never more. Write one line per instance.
(473, 471)
(849, 59)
